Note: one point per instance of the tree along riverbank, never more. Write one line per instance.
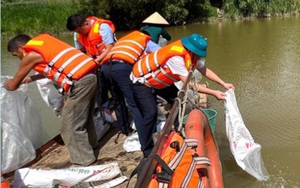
(39, 18)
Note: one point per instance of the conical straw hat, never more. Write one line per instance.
(155, 18)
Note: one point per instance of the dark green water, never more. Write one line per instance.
(262, 59)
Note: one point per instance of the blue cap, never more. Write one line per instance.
(196, 44)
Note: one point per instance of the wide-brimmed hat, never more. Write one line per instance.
(196, 44)
(155, 18)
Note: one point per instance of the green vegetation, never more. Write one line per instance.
(50, 16)
(260, 8)
(35, 18)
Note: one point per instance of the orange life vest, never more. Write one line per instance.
(4, 184)
(152, 68)
(62, 62)
(93, 41)
(129, 48)
(178, 167)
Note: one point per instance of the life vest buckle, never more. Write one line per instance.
(61, 91)
(175, 145)
(60, 70)
(69, 76)
(163, 177)
(51, 63)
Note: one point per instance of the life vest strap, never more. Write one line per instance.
(148, 64)
(66, 63)
(202, 160)
(51, 63)
(168, 75)
(78, 67)
(68, 78)
(191, 142)
(125, 53)
(153, 74)
(155, 59)
(132, 41)
(127, 47)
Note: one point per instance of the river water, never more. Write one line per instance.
(261, 58)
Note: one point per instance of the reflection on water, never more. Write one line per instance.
(261, 58)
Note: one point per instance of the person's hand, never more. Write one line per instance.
(228, 86)
(27, 80)
(219, 95)
(7, 85)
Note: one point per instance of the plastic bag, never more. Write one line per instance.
(17, 150)
(17, 108)
(245, 151)
(21, 123)
(162, 41)
(132, 143)
(50, 95)
(83, 176)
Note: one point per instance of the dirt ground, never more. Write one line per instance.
(114, 152)
(109, 151)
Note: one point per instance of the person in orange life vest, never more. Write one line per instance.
(161, 69)
(117, 66)
(73, 71)
(94, 35)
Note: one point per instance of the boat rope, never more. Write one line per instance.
(180, 118)
(183, 102)
(182, 111)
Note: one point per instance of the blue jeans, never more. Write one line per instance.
(146, 100)
(117, 75)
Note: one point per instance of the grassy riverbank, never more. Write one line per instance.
(36, 18)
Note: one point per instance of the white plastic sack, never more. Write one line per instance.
(20, 123)
(245, 151)
(50, 95)
(100, 184)
(132, 143)
(98, 174)
(17, 108)
(17, 149)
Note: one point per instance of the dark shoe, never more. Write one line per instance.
(129, 131)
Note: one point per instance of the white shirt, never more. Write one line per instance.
(108, 37)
